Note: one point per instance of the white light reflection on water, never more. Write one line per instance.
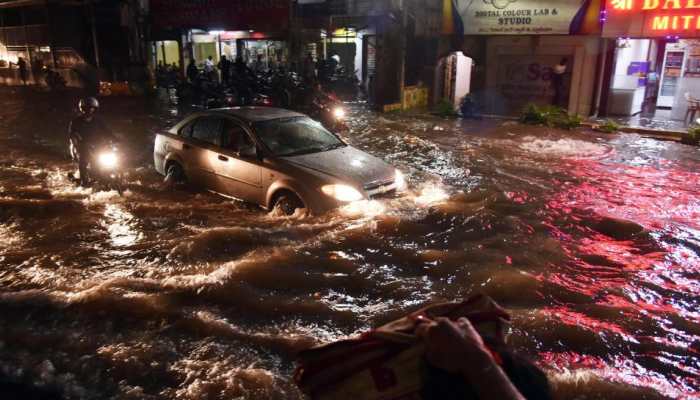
(9, 235)
(363, 208)
(431, 194)
(120, 225)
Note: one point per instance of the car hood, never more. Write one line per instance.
(348, 164)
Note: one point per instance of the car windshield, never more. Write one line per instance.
(295, 136)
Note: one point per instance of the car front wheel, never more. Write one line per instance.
(174, 175)
(288, 203)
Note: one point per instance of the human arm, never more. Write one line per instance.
(458, 348)
(74, 129)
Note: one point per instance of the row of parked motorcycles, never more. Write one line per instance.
(274, 88)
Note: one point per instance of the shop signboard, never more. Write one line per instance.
(526, 17)
(259, 15)
(652, 18)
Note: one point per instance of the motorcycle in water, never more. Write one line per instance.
(103, 167)
(329, 111)
(331, 116)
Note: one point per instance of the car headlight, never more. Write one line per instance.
(107, 160)
(400, 180)
(339, 113)
(342, 192)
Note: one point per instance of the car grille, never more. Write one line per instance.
(380, 188)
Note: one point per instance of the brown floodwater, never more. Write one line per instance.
(591, 241)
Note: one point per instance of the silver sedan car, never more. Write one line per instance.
(271, 157)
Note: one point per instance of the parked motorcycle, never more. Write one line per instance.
(275, 88)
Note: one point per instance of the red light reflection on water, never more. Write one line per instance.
(650, 277)
(648, 196)
(621, 369)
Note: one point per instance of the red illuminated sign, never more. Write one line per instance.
(660, 16)
(655, 4)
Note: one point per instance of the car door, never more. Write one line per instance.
(237, 165)
(200, 151)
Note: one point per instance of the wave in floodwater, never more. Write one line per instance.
(563, 147)
(592, 243)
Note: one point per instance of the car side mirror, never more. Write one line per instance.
(249, 151)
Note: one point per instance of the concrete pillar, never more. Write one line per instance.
(390, 60)
(93, 30)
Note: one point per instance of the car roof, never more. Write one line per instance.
(255, 114)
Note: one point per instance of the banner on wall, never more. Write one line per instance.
(259, 15)
(524, 79)
(528, 17)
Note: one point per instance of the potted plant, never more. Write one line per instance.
(551, 116)
(692, 137)
(609, 126)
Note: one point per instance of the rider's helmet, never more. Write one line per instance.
(88, 105)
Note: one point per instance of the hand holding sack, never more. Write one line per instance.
(389, 363)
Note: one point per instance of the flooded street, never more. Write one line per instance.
(591, 241)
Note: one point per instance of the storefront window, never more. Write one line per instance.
(264, 54)
(167, 52)
(252, 47)
(345, 45)
(11, 55)
(629, 83)
(4, 56)
(205, 46)
(655, 79)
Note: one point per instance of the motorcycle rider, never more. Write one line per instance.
(85, 131)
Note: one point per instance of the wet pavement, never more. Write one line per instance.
(660, 120)
(591, 241)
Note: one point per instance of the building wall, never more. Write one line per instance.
(60, 35)
(518, 71)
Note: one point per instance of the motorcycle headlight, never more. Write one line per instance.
(108, 160)
(339, 113)
(400, 180)
(343, 193)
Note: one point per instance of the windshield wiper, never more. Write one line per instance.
(333, 146)
(304, 151)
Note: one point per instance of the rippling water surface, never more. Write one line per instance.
(592, 241)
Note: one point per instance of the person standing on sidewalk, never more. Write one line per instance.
(558, 72)
(37, 70)
(22, 65)
(225, 68)
(309, 69)
(209, 69)
(192, 72)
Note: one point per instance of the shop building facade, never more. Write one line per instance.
(653, 64)
(255, 30)
(514, 49)
(84, 41)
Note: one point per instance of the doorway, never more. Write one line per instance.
(654, 81)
